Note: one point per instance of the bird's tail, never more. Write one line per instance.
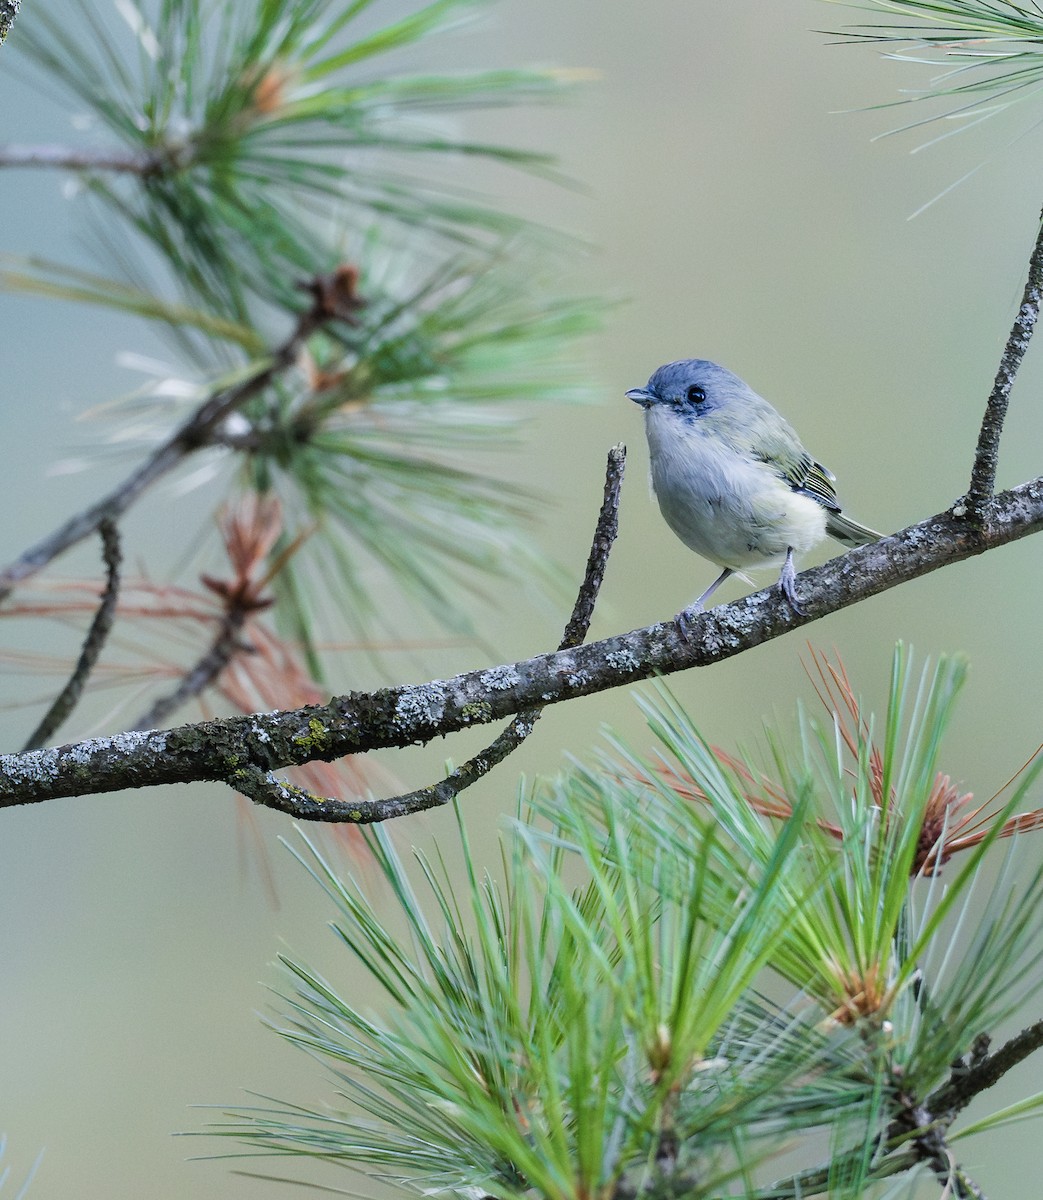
(850, 532)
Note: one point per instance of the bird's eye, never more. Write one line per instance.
(695, 394)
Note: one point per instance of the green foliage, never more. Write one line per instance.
(543, 1038)
(253, 124)
(873, 922)
(56, 281)
(595, 1025)
(843, 947)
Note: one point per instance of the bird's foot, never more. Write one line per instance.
(687, 615)
(788, 583)
(685, 619)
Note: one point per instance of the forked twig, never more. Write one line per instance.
(264, 788)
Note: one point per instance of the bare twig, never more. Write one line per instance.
(983, 1072)
(986, 454)
(334, 297)
(8, 12)
(64, 157)
(249, 529)
(218, 655)
(264, 788)
(410, 714)
(97, 635)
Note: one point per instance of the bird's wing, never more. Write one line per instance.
(785, 455)
(779, 448)
(810, 478)
(816, 481)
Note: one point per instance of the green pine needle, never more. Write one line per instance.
(545, 1040)
(597, 1021)
(988, 54)
(280, 120)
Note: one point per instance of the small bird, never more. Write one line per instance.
(732, 478)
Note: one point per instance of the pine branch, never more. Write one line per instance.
(333, 298)
(402, 716)
(984, 1071)
(926, 1134)
(919, 1133)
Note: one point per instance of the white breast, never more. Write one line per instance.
(735, 511)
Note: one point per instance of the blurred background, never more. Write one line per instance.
(732, 204)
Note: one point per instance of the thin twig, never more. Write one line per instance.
(8, 12)
(14, 155)
(249, 530)
(966, 1082)
(218, 655)
(912, 1138)
(265, 789)
(96, 637)
(986, 454)
(333, 297)
(814, 1181)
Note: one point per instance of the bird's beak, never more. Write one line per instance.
(641, 396)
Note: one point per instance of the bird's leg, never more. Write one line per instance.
(697, 606)
(788, 582)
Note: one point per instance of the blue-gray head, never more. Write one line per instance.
(692, 388)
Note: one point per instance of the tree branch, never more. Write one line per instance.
(918, 1127)
(927, 1124)
(97, 635)
(334, 297)
(264, 788)
(967, 1082)
(402, 716)
(986, 454)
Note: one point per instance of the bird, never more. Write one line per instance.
(732, 478)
